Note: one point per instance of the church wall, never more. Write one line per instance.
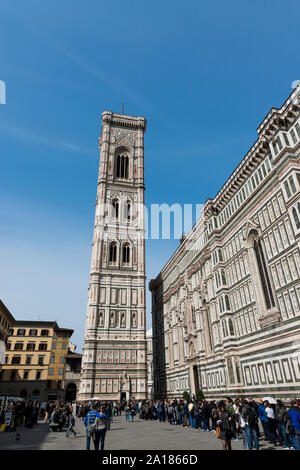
(233, 295)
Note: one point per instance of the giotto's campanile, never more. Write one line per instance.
(114, 364)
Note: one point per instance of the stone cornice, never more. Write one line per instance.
(276, 119)
(124, 120)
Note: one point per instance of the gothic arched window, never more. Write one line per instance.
(126, 254)
(227, 303)
(122, 166)
(296, 217)
(113, 252)
(115, 209)
(264, 275)
(231, 329)
(128, 211)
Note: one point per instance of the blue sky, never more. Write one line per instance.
(204, 74)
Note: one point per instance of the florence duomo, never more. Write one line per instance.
(114, 353)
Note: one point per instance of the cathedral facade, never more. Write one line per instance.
(226, 306)
(114, 363)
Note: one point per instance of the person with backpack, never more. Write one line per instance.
(214, 416)
(231, 409)
(225, 424)
(250, 417)
(281, 419)
(170, 410)
(294, 423)
(89, 421)
(99, 432)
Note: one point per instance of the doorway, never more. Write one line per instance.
(196, 378)
(71, 391)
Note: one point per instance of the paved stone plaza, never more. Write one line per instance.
(144, 435)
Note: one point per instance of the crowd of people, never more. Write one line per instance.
(249, 420)
(233, 419)
(23, 413)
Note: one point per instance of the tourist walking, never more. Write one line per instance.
(89, 421)
(100, 426)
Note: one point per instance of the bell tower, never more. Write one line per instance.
(114, 362)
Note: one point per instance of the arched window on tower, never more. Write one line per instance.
(113, 252)
(128, 211)
(227, 303)
(122, 166)
(126, 254)
(115, 209)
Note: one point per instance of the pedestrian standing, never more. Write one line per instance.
(250, 417)
(271, 422)
(108, 413)
(132, 412)
(225, 423)
(294, 425)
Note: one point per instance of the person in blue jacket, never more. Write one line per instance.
(261, 410)
(294, 417)
(90, 420)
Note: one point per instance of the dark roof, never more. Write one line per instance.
(73, 355)
(5, 310)
(64, 329)
(52, 324)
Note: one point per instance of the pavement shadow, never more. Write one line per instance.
(25, 438)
